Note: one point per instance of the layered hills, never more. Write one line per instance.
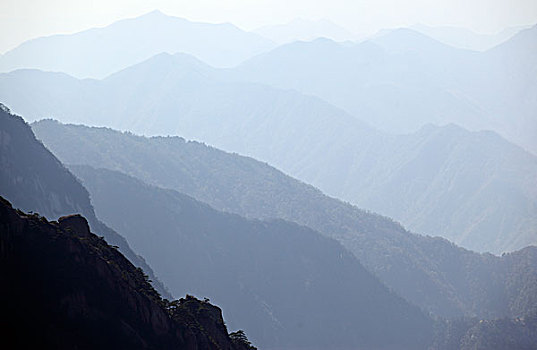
(474, 188)
(402, 79)
(439, 138)
(98, 52)
(277, 277)
(286, 284)
(430, 272)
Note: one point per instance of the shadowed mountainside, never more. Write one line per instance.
(73, 290)
(452, 281)
(35, 181)
(277, 279)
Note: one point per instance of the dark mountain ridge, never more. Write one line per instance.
(70, 289)
(36, 181)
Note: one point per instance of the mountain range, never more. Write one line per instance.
(206, 161)
(98, 52)
(466, 38)
(65, 287)
(452, 281)
(288, 286)
(473, 188)
(397, 80)
(276, 279)
(305, 30)
(402, 79)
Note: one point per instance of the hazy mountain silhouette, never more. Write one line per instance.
(452, 281)
(467, 39)
(503, 82)
(66, 288)
(99, 52)
(485, 207)
(34, 180)
(401, 80)
(285, 285)
(396, 81)
(302, 29)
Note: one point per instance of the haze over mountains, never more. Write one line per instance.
(453, 281)
(411, 80)
(305, 30)
(276, 278)
(269, 171)
(489, 204)
(402, 80)
(467, 39)
(98, 52)
(286, 284)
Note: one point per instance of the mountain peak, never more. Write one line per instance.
(401, 40)
(163, 64)
(306, 30)
(157, 14)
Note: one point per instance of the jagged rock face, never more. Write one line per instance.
(65, 288)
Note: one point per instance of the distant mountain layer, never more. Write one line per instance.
(34, 180)
(98, 52)
(452, 281)
(473, 188)
(66, 288)
(302, 29)
(287, 286)
(467, 39)
(402, 79)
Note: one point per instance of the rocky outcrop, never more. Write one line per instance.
(66, 288)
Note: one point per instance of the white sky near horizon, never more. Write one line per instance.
(21, 20)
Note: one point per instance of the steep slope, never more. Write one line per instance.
(277, 279)
(65, 288)
(473, 188)
(99, 52)
(490, 207)
(34, 180)
(452, 281)
(499, 334)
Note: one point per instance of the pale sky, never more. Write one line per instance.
(21, 20)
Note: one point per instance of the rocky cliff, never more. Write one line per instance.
(66, 288)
